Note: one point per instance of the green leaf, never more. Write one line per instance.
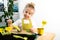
(11, 17)
(0, 19)
(2, 15)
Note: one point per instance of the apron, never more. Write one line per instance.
(28, 26)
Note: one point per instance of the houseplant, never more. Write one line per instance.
(9, 13)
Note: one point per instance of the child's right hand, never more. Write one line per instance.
(34, 30)
(9, 21)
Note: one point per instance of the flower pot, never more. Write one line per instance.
(40, 31)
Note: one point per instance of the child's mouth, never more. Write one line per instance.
(26, 16)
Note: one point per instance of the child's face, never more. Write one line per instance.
(28, 12)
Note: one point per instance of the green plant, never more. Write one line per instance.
(10, 8)
(9, 13)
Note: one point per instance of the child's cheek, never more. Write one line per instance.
(29, 15)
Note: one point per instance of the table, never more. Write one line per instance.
(45, 36)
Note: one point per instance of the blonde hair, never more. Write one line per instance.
(30, 5)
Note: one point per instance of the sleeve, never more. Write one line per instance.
(16, 24)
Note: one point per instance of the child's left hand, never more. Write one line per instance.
(33, 30)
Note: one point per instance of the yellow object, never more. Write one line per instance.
(16, 27)
(16, 36)
(40, 31)
(44, 23)
(26, 27)
(1, 30)
(8, 29)
(25, 38)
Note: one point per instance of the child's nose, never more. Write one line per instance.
(27, 14)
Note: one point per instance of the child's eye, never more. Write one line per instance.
(29, 13)
(26, 11)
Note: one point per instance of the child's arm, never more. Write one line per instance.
(33, 30)
(10, 24)
(34, 27)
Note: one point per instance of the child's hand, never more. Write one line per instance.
(33, 30)
(9, 21)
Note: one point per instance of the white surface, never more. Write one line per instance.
(48, 10)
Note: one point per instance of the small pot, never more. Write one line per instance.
(40, 31)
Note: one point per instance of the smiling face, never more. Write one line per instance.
(28, 12)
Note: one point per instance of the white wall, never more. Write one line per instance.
(48, 10)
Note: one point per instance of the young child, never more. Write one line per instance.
(26, 23)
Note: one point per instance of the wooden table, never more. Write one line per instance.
(46, 36)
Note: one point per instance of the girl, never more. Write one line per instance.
(26, 23)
